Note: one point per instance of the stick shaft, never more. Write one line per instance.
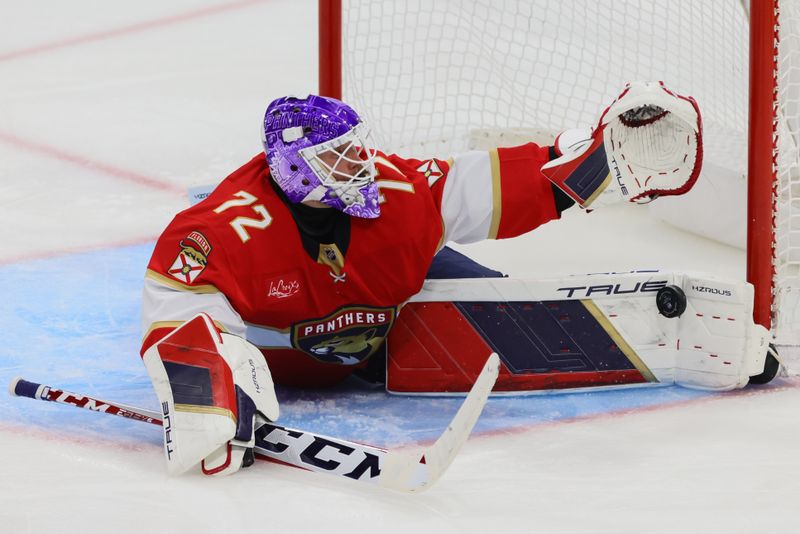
(24, 388)
(404, 471)
(298, 448)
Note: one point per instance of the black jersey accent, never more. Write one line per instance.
(317, 225)
(563, 200)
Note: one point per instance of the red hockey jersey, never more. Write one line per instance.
(238, 256)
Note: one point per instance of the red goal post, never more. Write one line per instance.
(761, 158)
(446, 75)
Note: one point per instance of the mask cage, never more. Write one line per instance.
(350, 157)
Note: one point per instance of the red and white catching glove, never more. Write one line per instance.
(647, 143)
(214, 388)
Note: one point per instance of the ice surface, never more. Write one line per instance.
(108, 114)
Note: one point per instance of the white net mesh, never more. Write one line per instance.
(786, 303)
(428, 74)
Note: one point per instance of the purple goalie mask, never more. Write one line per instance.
(319, 149)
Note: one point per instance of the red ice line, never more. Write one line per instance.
(47, 433)
(791, 383)
(55, 435)
(97, 166)
(32, 256)
(124, 30)
(93, 165)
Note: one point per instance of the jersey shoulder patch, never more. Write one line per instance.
(192, 257)
(433, 171)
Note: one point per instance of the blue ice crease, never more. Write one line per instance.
(73, 322)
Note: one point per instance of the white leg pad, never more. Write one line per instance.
(713, 345)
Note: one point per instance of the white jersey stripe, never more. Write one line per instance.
(166, 303)
(171, 305)
(468, 198)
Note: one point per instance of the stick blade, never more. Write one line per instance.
(419, 470)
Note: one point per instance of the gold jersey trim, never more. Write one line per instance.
(623, 345)
(180, 286)
(213, 410)
(497, 200)
(387, 163)
(395, 185)
(175, 324)
(441, 243)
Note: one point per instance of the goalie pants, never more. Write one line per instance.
(447, 264)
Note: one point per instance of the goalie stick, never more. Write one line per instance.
(401, 470)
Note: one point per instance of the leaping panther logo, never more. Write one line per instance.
(348, 350)
(346, 337)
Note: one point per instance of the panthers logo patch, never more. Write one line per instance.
(348, 336)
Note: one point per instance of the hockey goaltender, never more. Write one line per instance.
(294, 269)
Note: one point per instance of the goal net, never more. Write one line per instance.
(437, 77)
(785, 305)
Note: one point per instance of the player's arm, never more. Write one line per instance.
(648, 143)
(188, 273)
(492, 194)
(167, 303)
(213, 385)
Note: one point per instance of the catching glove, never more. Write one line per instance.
(648, 143)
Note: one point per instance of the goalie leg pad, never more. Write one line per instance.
(577, 332)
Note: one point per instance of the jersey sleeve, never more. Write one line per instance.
(493, 194)
(181, 282)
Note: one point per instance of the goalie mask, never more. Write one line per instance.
(319, 149)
